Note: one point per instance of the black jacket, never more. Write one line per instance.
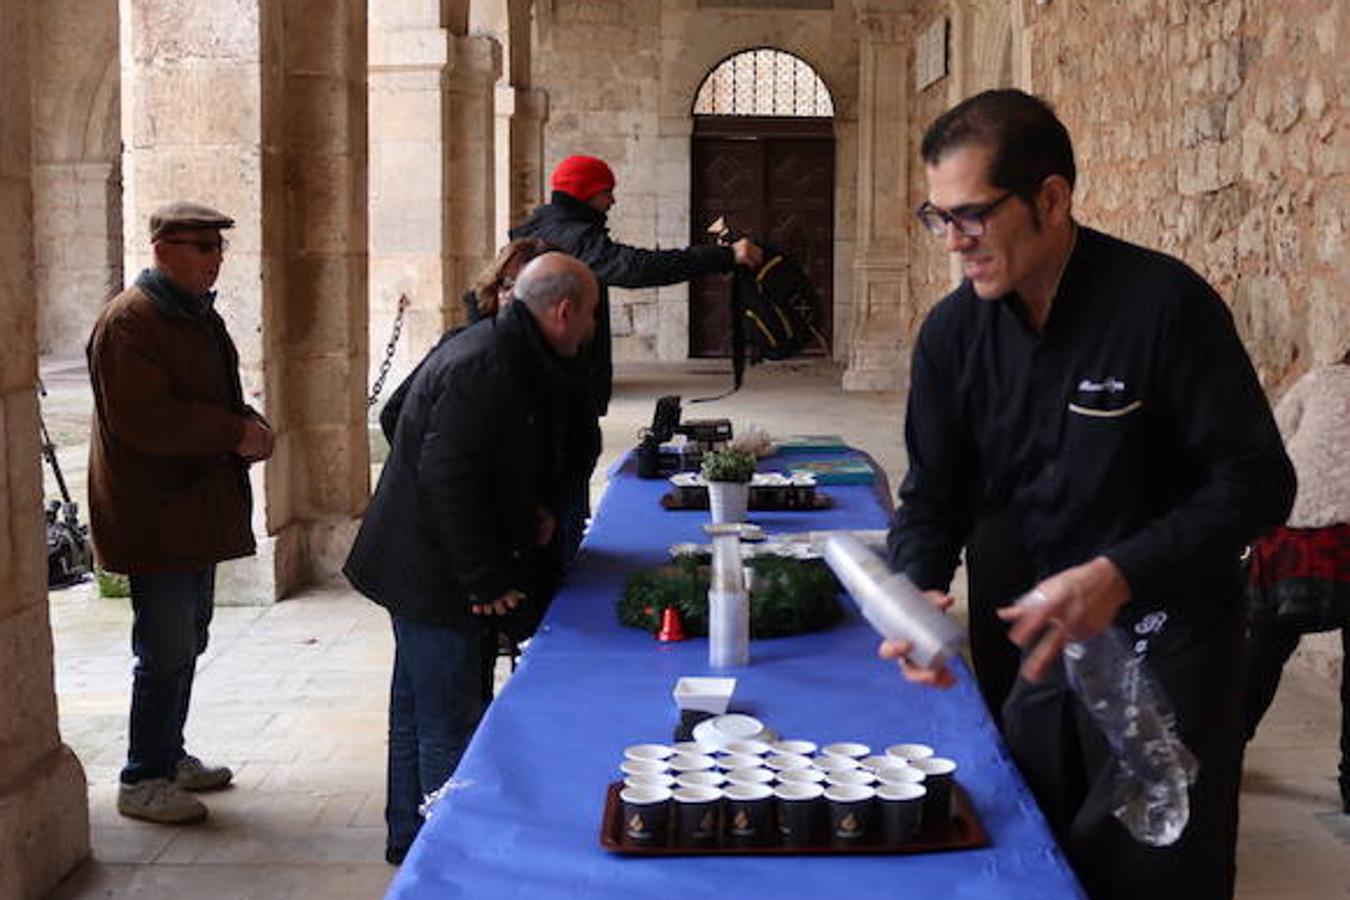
(580, 229)
(493, 426)
(1133, 426)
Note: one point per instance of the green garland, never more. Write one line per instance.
(790, 596)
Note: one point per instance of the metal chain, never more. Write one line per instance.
(388, 360)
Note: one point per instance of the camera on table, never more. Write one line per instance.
(702, 436)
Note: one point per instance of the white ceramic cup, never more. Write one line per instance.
(643, 767)
(851, 776)
(749, 776)
(781, 761)
(850, 749)
(909, 752)
(700, 778)
(796, 748)
(809, 775)
(648, 751)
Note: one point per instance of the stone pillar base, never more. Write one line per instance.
(44, 825)
(302, 553)
(251, 581)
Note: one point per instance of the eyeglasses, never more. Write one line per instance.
(969, 219)
(203, 247)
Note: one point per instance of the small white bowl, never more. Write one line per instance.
(695, 747)
(710, 695)
(753, 748)
(649, 780)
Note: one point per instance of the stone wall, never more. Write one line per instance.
(1224, 141)
(44, 817)
(77, 189)
(621, 79)
(1215, 131)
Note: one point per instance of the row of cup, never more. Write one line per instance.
(793, 814)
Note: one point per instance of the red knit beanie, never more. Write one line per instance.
(582, 177)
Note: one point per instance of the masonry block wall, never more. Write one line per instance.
(621, 79)
(44, 818)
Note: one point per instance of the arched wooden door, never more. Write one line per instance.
(763, 158)
(773, 179)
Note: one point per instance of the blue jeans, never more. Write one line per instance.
(435, 701)
(168, 633)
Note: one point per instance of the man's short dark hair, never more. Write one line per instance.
(1027, 140)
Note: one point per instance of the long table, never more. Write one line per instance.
(522, 817)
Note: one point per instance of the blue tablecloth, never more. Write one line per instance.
(524, 819)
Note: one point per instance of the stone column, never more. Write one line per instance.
(431, 100)
(527, 152)
(44, 810)
(258, 108)
(475, 64)
(77, 182)
(876, 359)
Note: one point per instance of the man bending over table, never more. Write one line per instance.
(461, 533)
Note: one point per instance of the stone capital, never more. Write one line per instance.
(472, 61)
(880, 23)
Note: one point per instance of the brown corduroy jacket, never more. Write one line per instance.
(167, 493)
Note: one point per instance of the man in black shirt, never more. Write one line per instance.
(1098, 393)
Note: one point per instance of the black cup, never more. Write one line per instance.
(748, 814)
(698, 816)
(800, 812)
(851, 812)
(901, 807)
(646, 816)
(939, 776)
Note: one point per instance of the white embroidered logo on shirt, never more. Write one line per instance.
(1110, 385)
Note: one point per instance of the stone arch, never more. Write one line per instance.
(77, 185)
(833, 55)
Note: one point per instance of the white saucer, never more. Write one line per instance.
(722, 730)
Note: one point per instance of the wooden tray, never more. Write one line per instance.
(962, 832)
(689, 498)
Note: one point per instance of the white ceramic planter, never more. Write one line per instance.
(728, 500)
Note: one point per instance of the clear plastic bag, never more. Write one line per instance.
(1154, 769)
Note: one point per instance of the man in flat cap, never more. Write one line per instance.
(168, 489)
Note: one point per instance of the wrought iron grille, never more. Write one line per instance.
(763, 83)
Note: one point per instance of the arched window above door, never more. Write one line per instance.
(763, 82)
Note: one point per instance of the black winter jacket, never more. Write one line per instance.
(580, 229)
(493, 426)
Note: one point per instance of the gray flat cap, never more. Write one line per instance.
(185, 216)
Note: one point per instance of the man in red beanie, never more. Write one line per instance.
(574, 221)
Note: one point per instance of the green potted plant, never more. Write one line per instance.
(728, 472)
